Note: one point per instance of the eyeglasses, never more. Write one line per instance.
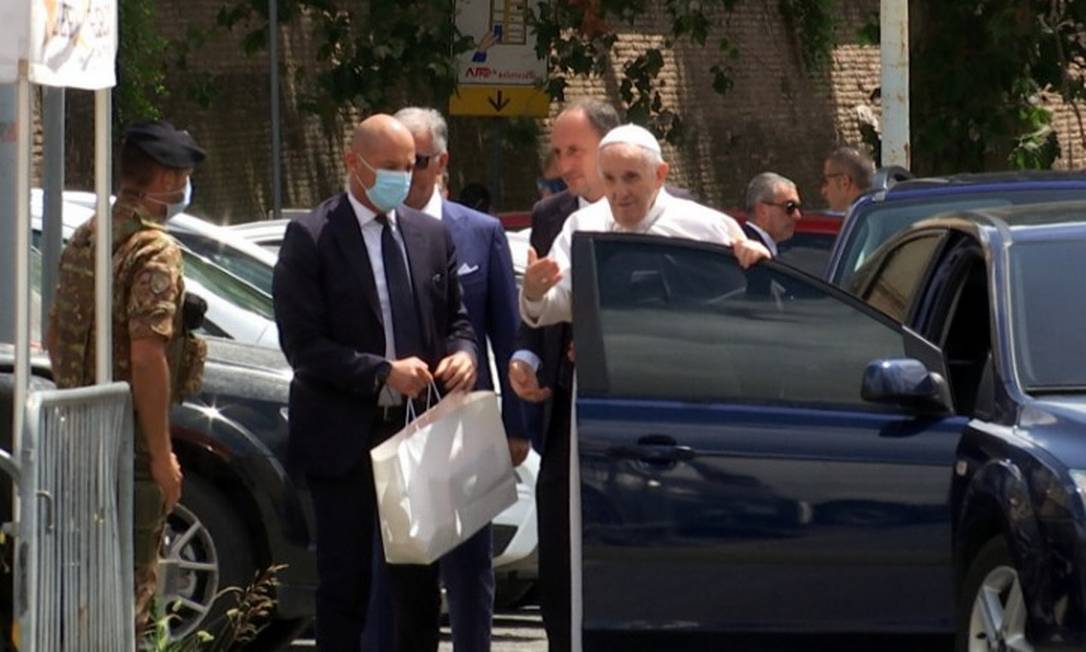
(789, 206)
(826, 177)
(422, 161)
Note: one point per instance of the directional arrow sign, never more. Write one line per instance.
(501, 75)
(498, 102)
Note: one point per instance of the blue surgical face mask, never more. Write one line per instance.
(389, 189)
(176, 208)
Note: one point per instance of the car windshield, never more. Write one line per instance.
(881, 220)
(1048, 305)
(237, 262)
(225, 284)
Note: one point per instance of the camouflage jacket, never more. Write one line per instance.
(148, 295)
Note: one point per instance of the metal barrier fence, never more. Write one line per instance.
(73, 567)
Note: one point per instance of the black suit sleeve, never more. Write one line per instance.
(544, 231)
(303, 319)
(461, 336)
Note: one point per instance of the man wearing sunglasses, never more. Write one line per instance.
(773, 209)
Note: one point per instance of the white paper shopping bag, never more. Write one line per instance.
(442, 478)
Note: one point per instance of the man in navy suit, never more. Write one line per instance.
(773, 209)
(490, 296)
(369, 313)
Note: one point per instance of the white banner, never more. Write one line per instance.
(73, 43)
(14, 32)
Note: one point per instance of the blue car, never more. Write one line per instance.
(761, 451)
(892, 207)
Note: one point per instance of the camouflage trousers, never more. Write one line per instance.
(148, 511)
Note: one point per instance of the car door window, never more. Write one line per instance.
(238, 263)
(679, 320)
(891, 283)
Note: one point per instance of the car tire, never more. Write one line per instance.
(991, 603)
(206, 549)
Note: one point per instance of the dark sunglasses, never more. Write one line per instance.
(422, 161)
(789, 206)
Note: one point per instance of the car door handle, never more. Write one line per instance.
(658, 449)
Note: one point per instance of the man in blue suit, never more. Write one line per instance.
(490, 297)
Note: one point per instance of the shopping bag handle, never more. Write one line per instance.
(432, 392)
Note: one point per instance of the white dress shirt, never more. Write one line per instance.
(371, 234)
(433, 206)
(669, 216)
(526, 355)
(770, 243)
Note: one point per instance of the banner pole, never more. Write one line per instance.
(103, 269)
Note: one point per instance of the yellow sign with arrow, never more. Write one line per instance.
(501, 76)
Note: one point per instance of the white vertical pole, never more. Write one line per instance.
(276, 153)
(103, 269)
(9, 117)
(52, 194)
(23, 108)
(894, 23)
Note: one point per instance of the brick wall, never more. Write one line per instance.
(777, 117)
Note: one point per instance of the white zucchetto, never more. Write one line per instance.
(631, 134)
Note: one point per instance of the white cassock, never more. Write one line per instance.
(669, 216)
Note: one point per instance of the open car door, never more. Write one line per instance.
(732, 475)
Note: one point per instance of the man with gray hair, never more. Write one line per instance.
(773, 208)
(489, 294)
(846, 174)
(633, 173)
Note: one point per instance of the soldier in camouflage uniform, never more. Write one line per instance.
(152, 348)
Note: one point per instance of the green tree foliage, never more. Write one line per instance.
(379, 54)
(977, 70)
(141, 59)
(371, 55)
(972, 90)
(144, 60)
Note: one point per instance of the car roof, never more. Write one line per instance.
(1022, 222)
(1025, 179)
(182, 223)
(250, 229)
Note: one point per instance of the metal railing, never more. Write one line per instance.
(73, 527)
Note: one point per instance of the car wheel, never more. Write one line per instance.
(992, 609)
(206, 549)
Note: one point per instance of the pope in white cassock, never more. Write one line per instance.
(635, 201)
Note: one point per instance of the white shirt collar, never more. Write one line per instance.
(583, 203)
(433, 207)
(765, 236)
(365, 214)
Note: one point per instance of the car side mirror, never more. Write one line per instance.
(906, 383)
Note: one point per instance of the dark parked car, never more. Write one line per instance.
(761, 451)
(239, 511)
(885, 211)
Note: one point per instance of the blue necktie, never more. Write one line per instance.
(406, 328)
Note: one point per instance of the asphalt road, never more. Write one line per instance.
(514, 631)
(522, 631)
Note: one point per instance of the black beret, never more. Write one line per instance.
(171, 147)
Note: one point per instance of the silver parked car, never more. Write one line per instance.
(236, 309)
